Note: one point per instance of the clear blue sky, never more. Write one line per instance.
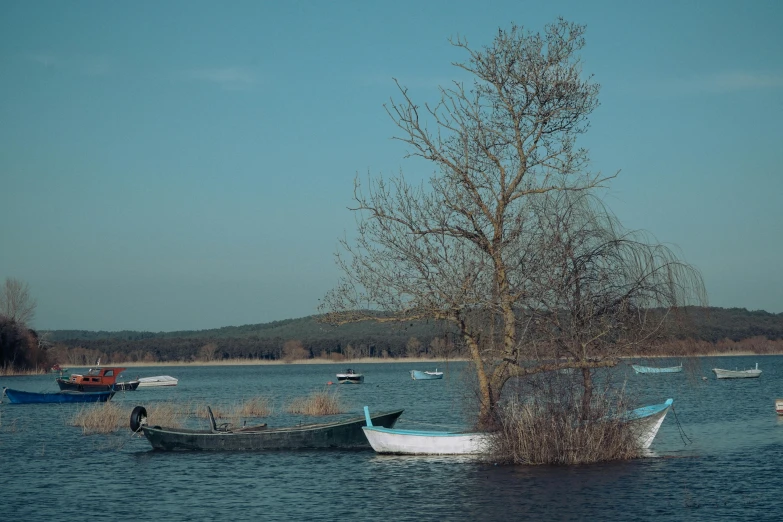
(187, 165)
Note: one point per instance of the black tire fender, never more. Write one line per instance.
(138, 418)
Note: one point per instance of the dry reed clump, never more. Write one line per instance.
(104, 417)
(253, 407)
(108, 417)
(557, 432)
(317, 403)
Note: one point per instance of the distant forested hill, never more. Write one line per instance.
(366, 339)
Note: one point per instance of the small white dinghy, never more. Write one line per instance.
(422, 442)
(159, 380)
(737, 374)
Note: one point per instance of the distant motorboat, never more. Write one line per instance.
(654, 369)
(417, 375)
(159, 380)
(350, 377)
(737, 374)
(779, 406)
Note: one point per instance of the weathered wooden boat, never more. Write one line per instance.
(737, 374)
(385, 439)
(159, 380)
(97, 379)
(645, 423)
(25, 397)
(654, 369)
(341, 434)
(350, 377)
(417, 375)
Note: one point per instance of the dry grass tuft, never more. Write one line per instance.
(105, 417)
(108, 417)
(235, 414)
(317, 403)
(255, 407)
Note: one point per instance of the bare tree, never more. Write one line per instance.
(465, 248)
(294, 350)
(15, 301)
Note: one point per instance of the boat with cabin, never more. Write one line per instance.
(97, 379)
(350, 377)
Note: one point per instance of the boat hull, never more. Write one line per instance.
(350, 379)
(410, 442)
(779, 406)
(647, 420)
(736, 374)
(23, 397)
(345, 434)
(67, 385)
(417, 375)
(651, 369)
(161, 380)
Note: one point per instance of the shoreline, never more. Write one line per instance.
(388, 360)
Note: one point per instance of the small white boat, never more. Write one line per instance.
(779, 406)
(417, 375)
(737, 374)
(654, 369)
(647, 420)
(350, 377)
(159, 380)
(422, 442)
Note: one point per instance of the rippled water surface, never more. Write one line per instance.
(731, 469)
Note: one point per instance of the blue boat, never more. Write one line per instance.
(653, 369)
(416, 375)
(24, 397)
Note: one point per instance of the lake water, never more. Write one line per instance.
(732, 467)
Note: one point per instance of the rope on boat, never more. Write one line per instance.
(683, 436)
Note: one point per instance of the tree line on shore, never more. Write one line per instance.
(708, 331)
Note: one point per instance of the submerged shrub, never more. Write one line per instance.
(553, 426)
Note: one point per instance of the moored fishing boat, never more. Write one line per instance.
(645, 423)
(159, 380)
(417, 375)
(647, 420)
(654, 369)
(422, 442)
(341, 434)
(97, 379)
(737, 374)
(350, 377)
(25, 397)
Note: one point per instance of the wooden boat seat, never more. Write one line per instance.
(214, 426)
(260, 427)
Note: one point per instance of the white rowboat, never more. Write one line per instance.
(737, 374)
(160, 380)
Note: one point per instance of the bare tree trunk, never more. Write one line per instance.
(587, 395)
